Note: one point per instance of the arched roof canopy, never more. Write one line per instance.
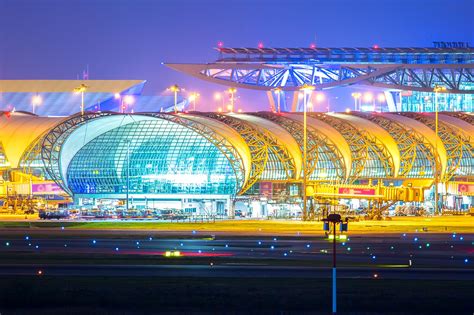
(331, 134)
(283, 137)
(19, 131)
(430, 135)
(380, 134)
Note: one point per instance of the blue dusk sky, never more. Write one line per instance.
(129, 39)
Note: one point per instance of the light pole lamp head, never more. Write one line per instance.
(37, 100)
(81, 88)
(439, 88)
(174, 88)
(306, 88)
(277, 90)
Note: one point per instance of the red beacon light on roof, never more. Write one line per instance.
(220, 44)
(312, 46)
(260, 45)
(375, 46)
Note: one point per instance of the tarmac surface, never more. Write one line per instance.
(120, 253)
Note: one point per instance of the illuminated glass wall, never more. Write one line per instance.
(160, 157)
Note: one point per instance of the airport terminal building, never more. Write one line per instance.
(223, 163)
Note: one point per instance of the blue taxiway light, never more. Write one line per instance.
(308, 245)
(27, 237)
(272, 247)
(259, 243)
(416, 239)
(226, 245)
(116, 249)
(94, 241)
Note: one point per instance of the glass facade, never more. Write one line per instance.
(157, 157)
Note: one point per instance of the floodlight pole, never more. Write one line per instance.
(128, 174)
(334, 292)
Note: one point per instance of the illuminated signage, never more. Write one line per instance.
(357, 191)
(451, 44)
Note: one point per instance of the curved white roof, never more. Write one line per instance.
(381, 134)
(282, 136)
(429, 134)
(19, 130)
(331, 133)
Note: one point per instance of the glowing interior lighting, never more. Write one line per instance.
(117, 96)
(368, 97)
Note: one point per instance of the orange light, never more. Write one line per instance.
(219, 109)
(381, 97)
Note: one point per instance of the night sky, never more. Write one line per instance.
(128, 39)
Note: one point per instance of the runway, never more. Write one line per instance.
(403, 256)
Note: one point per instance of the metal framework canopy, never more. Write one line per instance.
(415, 69)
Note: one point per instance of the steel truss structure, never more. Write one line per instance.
(219, 140)
(459, 148)
(262, 143)
(417, 155)
(54, 139)
(364, 147)
(253, 147)
(319, 148)
(414, 69)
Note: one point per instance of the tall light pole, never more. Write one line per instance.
(175, 89)
(334, 218)
(218, 97)
(81, 89)
(437, 89)
(232, 91)
(356, 97)
(37, 100)
(307, 90)
(278, 91)
(381, 100)
(128, 101)
(128, 174)
(193, 97)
